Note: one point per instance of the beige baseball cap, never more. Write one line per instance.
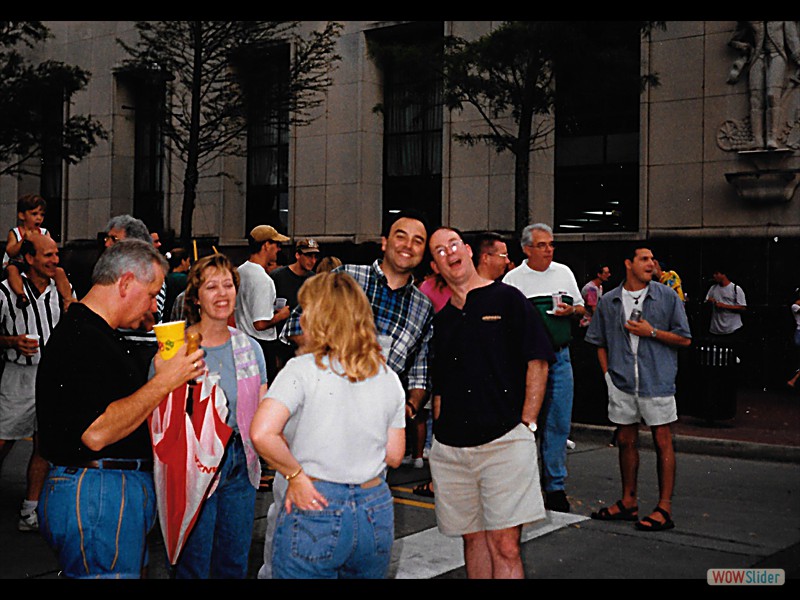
(267, 233)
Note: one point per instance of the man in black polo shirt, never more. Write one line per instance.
(491, 356)
(92, 402)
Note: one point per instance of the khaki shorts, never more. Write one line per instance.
(628, 409)
(488, 487)
(17, 402)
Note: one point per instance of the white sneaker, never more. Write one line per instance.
(425, 453)
(28, 522)
(407, 460)
(419, 463)
(570, 445)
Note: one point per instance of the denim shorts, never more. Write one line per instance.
(351, 538)
(97, 520)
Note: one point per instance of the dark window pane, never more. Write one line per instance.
(148, 173)
(413, 116)
(52, 165)
(265, 79)
(597, 131)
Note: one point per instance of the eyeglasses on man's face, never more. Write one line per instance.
(543, 245)
(112, 238)
(500, 254)
(449, 248)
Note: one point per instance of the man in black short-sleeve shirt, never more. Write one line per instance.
(490, 354)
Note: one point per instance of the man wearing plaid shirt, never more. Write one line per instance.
(403, 320)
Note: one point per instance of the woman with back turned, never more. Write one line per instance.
(332, 421)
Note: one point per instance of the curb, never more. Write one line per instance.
(697, 445)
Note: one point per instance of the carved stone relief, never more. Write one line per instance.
(769, 60)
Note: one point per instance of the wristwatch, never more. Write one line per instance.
(531, 426)
(654, 333)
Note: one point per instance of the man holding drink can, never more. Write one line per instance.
(637, 329)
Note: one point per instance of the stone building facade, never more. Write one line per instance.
(705, 193)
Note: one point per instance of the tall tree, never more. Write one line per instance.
(27, 91)
(508, 76)
(206, 116)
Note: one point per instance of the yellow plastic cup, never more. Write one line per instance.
(170, 337)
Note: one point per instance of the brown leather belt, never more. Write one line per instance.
(121, 464)
(375, 481)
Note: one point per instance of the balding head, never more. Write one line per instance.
(41, 255)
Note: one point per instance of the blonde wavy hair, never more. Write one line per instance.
(337, 322)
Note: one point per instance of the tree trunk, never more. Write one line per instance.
(522, 163)
(190, 177)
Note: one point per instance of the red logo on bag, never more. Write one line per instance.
(203, 468)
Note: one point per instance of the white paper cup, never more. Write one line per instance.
(33, 336)
(280, 303)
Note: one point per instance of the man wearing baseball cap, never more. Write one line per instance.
(255, 301)
(288, 280)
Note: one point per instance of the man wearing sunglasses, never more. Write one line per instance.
(553, 290)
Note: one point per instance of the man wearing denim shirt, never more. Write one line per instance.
(403, 320)
(640, 361)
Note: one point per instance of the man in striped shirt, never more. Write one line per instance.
(22, 333)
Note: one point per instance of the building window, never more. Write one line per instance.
(52, 173)
(597, 133)
(148, 170)
(413, 112)
(265, 79)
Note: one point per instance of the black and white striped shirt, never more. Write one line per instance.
(39, 317)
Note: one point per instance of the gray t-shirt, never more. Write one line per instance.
(724, 321)
(337, 429)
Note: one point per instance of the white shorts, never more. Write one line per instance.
(488, 487)
(17, 402)
(628, 409)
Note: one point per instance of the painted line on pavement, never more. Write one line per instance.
(428, 553)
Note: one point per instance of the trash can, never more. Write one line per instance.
(714, 382)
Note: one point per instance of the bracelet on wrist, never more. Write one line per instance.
(295, 474)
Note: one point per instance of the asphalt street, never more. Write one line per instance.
(735, 506)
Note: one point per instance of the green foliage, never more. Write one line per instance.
(27, 91)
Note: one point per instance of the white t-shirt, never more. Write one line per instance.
(556, 278)
(338, 430)
(255, 300)
(725, 321)
(629, 302)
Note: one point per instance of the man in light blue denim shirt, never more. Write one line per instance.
(637, 329)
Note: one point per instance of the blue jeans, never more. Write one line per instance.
(349, 539)
(97, 520)
(218, 546)
(555, 421)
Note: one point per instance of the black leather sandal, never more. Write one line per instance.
(650, 524)
(624, 514)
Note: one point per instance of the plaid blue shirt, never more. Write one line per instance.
(404, 314)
